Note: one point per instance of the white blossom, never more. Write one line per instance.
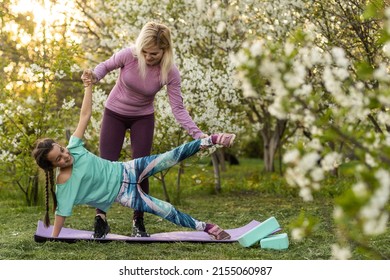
(221, 27)
(339, 57)
(297, 234)
(370, 160)
(308, 161)
(338, 212)
(67, 105)
(291, 156)
(360, 189)
(257, 48)
(331, 161)
(60, 74)
(341, 253)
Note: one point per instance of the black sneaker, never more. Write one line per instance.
(139, 228)
(101, 227)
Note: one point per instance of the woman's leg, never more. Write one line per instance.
(112, 135)
(141, 137)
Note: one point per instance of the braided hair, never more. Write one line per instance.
(42, 148)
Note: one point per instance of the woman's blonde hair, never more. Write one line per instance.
(155, 34)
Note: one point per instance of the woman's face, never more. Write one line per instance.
(152, 55)
(60, 156)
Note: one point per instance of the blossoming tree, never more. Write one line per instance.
(339, 94)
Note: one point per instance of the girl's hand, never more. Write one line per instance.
(87, 77)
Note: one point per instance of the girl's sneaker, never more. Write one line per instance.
(225, 139)
(101, 227)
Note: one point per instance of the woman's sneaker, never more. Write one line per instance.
(101, 227)
(139, 228)
(225, 139)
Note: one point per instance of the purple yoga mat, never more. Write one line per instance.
(72, 235)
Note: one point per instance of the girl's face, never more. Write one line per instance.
(153, 55)
(60, 156)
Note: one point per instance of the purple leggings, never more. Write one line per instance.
(112, 135)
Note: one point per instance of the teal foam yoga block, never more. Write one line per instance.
(277, 242)
(259, 232)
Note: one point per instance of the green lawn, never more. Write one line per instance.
(246, 195)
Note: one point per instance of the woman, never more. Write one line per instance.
(144, 69)
(84, 178)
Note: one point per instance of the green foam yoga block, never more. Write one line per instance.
(262, 230)
(277, 242)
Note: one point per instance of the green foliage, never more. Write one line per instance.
(374, 9)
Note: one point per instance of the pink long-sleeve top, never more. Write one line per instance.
(133, 96)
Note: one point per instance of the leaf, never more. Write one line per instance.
(364, 70)
(373, 9)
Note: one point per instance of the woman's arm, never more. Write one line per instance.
(116, 61)
(58, 224)
(177, 105)
(86, 106)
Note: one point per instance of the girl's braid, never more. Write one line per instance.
(49, 180)
(43, 147)
(47, 218)
(53, 193)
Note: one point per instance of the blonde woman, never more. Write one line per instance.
(145, 68)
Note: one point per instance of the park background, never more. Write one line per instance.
(304, 85)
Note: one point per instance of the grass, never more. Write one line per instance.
(246, 195)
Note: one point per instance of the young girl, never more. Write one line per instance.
(84, 178)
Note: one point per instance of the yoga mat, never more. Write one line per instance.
(70, 235)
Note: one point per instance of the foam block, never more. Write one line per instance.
(259, 232)
(277, 242)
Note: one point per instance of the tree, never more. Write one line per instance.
(30, 102)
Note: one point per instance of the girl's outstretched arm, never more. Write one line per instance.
(86, 107)
(58, 224)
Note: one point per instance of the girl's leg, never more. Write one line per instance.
(147, 166)
(132, 196)
(139, 169)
